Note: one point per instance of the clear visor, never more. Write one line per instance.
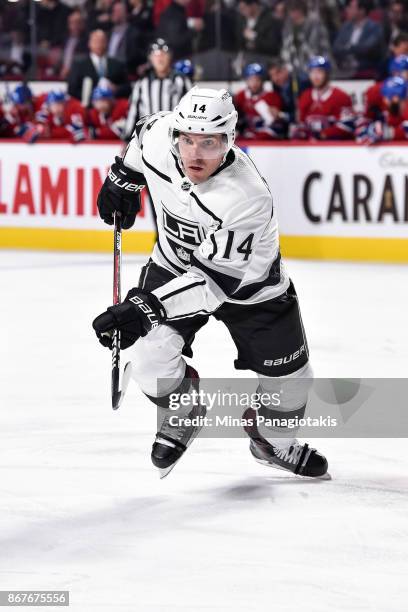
(199, 146)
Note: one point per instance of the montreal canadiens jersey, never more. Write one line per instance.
(329, 112)
(220, 237)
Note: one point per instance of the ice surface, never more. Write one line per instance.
(81, 507)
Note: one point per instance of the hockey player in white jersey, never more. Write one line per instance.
(217, 254)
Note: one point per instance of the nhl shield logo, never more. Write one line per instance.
(186, 185)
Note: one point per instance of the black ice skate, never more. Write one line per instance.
(297, 458)
(173, 440)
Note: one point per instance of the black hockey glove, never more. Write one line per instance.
(135, 317)
(121, 192)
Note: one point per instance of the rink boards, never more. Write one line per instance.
(336, 201)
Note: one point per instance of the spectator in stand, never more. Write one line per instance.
(217, 11)
(328, 11)
(99, 17)
(393, 123)
(194, 8)
(52, 18)
(178, 30)
(107, 118)
(359, 44)
(159, 90)
(15, 58)
(304, 37)
(279, 11)
(289, 86)
(76, 43)
(259, 111)
(325, 112)
(398, 47)
(396, 21)
(13, 15)
(259, 32)
(126, 43)
(75, 4)
(60, 118)
(374, 100)
(87, 73)
(141, 18)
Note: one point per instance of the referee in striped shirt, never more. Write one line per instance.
(159, 90)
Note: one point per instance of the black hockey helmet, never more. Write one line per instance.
(159, 45)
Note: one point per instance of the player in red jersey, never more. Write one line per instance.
(106, 119)
(374, 100)
(393, 122)
(61, 118)
(325, 112)
(259, 111)
(18, 111)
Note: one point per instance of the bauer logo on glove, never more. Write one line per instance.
(122, 183)
(121, 193)
(134, 318)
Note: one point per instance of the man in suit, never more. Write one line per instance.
(87, 73)
(178, 29)
(76, 43)
(304, 36)
(260, 34)
(126, 43)
(359, 44)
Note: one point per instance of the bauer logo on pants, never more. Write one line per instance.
(286, 359)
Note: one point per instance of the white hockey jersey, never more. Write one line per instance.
(219, 237)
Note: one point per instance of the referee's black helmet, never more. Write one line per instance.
(159, 45)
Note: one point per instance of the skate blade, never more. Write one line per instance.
(325, 476)
(163, 472)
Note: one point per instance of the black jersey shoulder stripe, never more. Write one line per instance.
(207, 210)
(273, 278)
(265, 182)
(176, 161)
(179, 270)
(228, 161)
(153, 169)
(227, 284)
(181, 289)
(161, 107)
(140, 124)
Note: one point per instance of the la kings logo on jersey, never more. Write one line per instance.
(183, 235)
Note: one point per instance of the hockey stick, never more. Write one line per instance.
(117, 395)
